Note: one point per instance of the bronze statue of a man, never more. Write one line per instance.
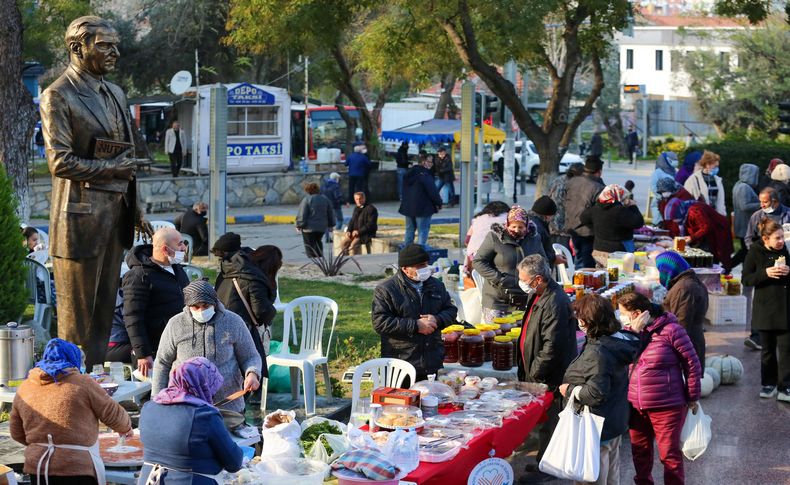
(93, 209)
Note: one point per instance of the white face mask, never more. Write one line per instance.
(526, 288)
(666, 195)
(177, 258)
(424, 273)
(769, 210)
(202, 316)
(625, 320)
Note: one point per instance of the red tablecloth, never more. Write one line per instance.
(502, 440)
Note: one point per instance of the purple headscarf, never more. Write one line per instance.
(193, 382)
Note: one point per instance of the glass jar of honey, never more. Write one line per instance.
(515, 335)
(471, 348)
(488, 338)
(502, 350)
(450, 340)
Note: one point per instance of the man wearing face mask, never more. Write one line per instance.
(193, 223)
(152, 293)
(410, 309)
(770, 207)
(205, 328)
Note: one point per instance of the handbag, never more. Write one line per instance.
(574, 451)
(266, 335)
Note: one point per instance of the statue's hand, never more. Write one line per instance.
(126, 169)
(144, 229)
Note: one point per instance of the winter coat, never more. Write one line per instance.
(151, 295)
(257, 290)
(420, 196)
(744, 199)
(663, 170)
(545, 237)
(669, 224)
(548, 342)
(581, 193)
(402, 157)
(602, 372)
(596, 145)
(365, 220)
(687, 299)
(697, 187)
(771, 299)
(196, 227)
(710, 230)
(224, 340)
(780, 215)
(557, 191)
(331, 190)
(632, 140)
(397, 305)
(782, 190)
(612, 224)
(315, 214)
(358, 164)
(186, 437)
(496, 261)
(444, 169)
(667, 373)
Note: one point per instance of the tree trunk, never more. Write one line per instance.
(614, 127)
(18, 114)
(446, 98)
(351, 123)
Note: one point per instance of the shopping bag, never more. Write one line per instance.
(574, 451)
(695, 434)
(470, 306)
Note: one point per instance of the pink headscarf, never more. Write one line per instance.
(517, 214)
(611, 194)
(194, 381)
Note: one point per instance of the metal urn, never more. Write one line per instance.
(16, 353)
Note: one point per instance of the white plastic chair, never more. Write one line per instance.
(193, 272)
(280, 307)
(565, 271)
(156, 225)
(42, 312)
(313, 311)
(190, 244)
(383, 372)
(41, 256)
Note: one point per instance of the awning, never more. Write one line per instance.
(439, 131)
(490, 135)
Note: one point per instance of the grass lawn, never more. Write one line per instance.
(444, 229)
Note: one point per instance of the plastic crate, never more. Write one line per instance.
(726, 310)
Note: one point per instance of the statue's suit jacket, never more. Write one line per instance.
(88, 207)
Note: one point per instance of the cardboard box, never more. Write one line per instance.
(391, 395)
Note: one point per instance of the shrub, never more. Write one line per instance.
(656, 146)
(13, 294)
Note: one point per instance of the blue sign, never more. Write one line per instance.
(247, 94)
(255, 150)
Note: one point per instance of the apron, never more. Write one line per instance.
(158, 472)
(98, 464)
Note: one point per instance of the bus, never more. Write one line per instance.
(327, 129)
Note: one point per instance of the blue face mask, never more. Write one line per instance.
(714, 171)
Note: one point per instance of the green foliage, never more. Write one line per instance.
(13, 295)
(754, 10)
(655, 146)
(45, 23)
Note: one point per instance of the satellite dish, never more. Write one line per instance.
(180, 82)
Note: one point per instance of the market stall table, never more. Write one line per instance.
(127, 391)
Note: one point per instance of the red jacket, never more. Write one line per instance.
(657, 378)
(668, 224)
(707, 227)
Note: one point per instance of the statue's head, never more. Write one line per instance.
(93, 44)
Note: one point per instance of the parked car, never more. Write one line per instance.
(530, 168)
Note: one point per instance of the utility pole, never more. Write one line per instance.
(218, 161)
(509, 175)
(644, 121)
(196, 124)
(480, 154)
(306, 118)
(467, 156)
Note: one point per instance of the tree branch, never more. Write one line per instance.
(587, 108)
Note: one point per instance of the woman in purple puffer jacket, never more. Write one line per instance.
(664, 385)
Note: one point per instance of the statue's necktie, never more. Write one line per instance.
(113, 113)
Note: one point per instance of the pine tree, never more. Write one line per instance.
(13, 294)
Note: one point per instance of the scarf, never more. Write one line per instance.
(59, 355)
(517, 214)
(193, 382)
(611, 194)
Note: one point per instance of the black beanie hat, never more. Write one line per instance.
(544, 206)
(412, 255)
(228, 243)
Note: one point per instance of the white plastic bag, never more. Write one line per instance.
(470, 305)
(574, 451)
(695, 434)
(281, 440)
(339, 443)
(403, 450)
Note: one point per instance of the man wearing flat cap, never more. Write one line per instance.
(410, 309)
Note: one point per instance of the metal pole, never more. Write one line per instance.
(218, 162)
(306, 118)
(524, 140)
(480, 154)
(644, 123)
(509, 175)
(196, 123)
(467, 155)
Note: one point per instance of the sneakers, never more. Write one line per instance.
(752, 344)
(768, 392)
(784, 395)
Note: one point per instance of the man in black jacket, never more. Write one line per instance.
(153, 292)
(581, 193)
(362, 227)
(410, 309)
(548, 339)
(193, 223)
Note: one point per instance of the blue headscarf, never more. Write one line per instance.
(59, 355)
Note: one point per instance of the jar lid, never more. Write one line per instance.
(447, 330)
(494, 326)
(515, 331)
(502, 339)
(501, 319)
(471, 331)
(430, 401)
(457, 328)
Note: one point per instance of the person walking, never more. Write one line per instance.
(705, 184)
(767, 271)
(582, 193)
(421, 200)
(745, 203)
(175, 138)
(613, 218)
(314, 217)
(664, 385)
(632, 142)
(358, 165)
(445, 177)
(557, 191)
(402, 163)
(331, 190)
(599, 378)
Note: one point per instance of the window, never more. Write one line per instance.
(659, 60)
(724, 61)
(253, 121)
(629, 58)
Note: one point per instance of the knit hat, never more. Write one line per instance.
(334, 176)
(544, 206)
(781, 173)
(412, 255)
(666, 184)
(593, 164)
(518, 214)
(228, 243)
(200, 292)
(669, 265)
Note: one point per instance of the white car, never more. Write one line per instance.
(530, 168)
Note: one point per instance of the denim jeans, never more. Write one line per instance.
(583, 247)
(422, 225)
(338, 219)
(401, 174)
(446, 190)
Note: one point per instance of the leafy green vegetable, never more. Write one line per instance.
(311, 434)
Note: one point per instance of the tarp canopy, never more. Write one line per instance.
(439, 131)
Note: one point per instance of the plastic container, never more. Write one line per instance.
(471, 348)
(439, 390)
(375, 413)
(450, 340)
(488, 339)
(429, 406)
(400, 417)
(502, 353)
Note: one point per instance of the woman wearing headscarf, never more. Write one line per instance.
(666, 168)
(669, 191)
(705, 184)
(207, 329)
(704, 228)
(496, 259)
(183, 435)
(765, 179)
(689, 163)
(613, 218)
(56, 414)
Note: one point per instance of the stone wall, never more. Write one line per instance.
(244, 190)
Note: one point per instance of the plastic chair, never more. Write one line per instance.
(43, 238)
(42, 311)
(314, 311)
(565, 270)
(40, 256)
(160, 224)
(193, 272)
(383, 372)
(190, 243)
(280, 307)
